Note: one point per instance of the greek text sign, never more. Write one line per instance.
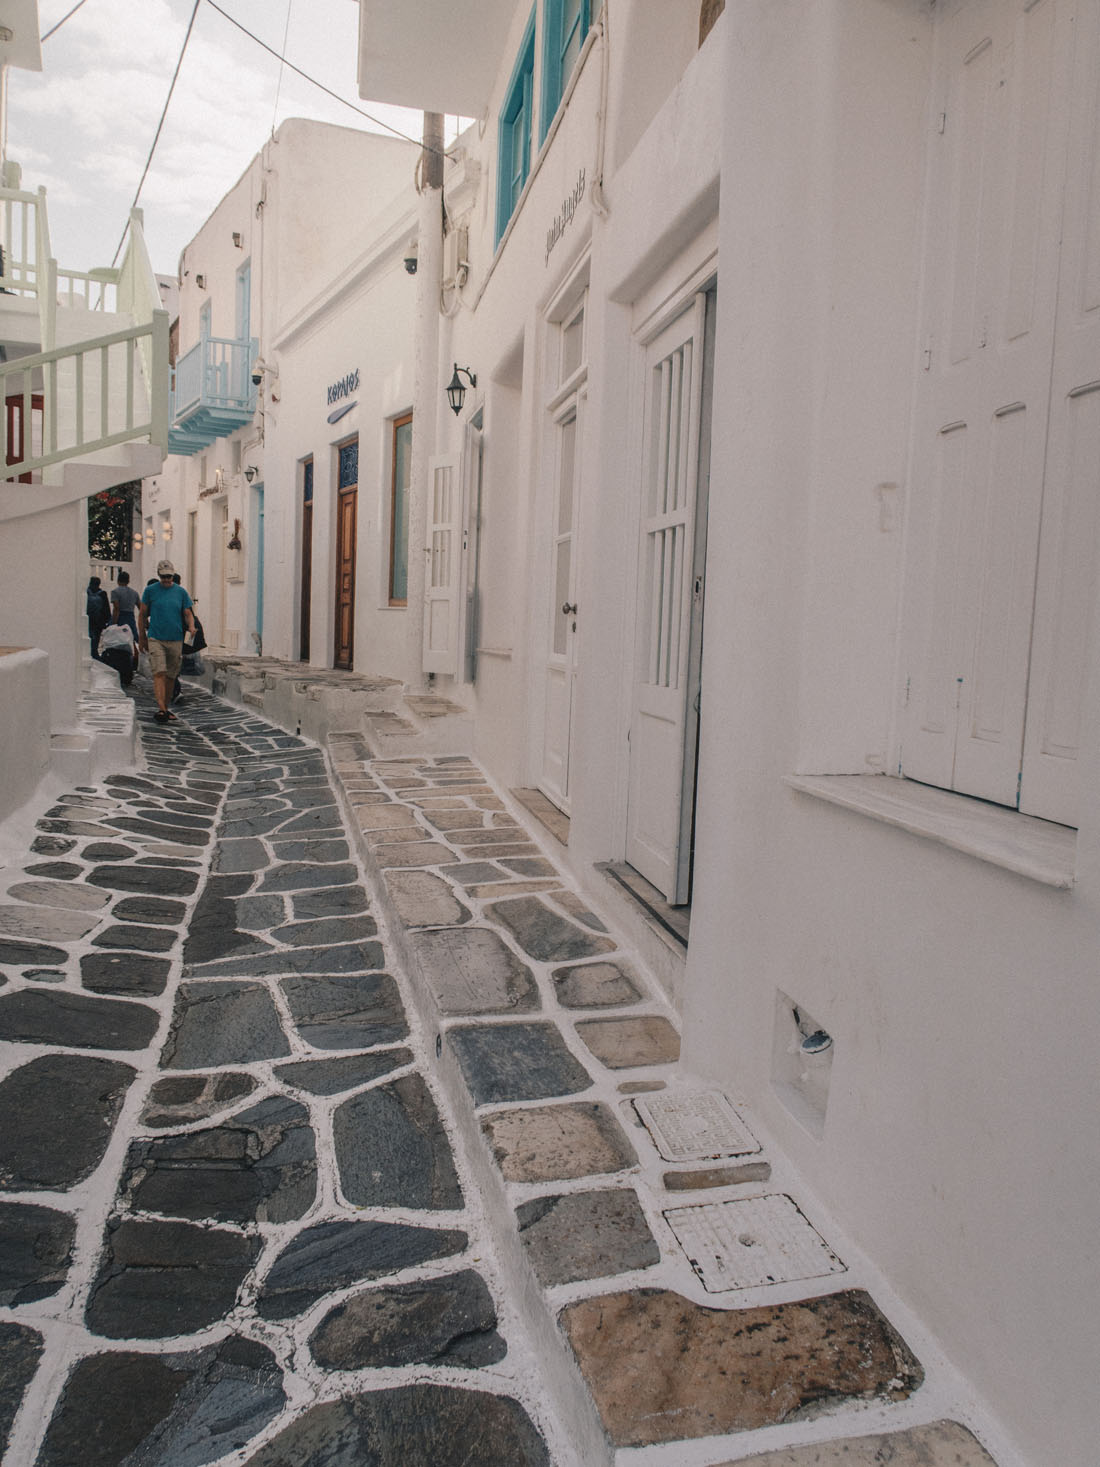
(344, 388)
(564, 216)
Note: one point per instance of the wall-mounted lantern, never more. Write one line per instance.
(250, 472)
(456, 392)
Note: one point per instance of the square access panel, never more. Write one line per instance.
(694, 1125)
(751, 1241)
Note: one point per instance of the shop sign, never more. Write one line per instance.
(339, 391)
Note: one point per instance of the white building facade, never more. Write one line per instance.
(764, 547)
(292, 388)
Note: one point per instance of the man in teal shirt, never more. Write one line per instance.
(166, 617)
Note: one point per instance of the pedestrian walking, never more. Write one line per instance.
(98, 610)
(166, 618)
(118, 649)
(124, 603)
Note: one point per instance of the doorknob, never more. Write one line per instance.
(568, 610)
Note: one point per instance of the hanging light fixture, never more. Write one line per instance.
(456, 393)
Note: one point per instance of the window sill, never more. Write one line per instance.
(1037, 849)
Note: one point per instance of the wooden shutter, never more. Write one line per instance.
(1068, 552)
(982, 415)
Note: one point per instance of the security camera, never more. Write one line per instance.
(410, 259)
(259, 367)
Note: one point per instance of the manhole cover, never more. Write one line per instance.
(756, 1240)
(695, 1127)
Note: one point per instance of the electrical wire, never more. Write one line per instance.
(282, 68)
(314, 82)
(442, 153)
(160, 124)
(61, 22)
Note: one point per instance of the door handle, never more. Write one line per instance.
(568, 610)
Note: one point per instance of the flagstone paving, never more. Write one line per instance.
(318, 1147)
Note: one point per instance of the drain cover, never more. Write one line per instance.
(756, 1240)
(695, 1127)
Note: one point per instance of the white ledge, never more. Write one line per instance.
(1037, 849)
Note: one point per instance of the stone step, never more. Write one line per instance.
(545, 1030)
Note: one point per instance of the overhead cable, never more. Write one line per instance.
(314, 82)
(160, 124)
(61, 22)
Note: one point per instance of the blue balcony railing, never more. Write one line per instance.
(212, 392)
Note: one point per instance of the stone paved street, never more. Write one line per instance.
(320, 1147)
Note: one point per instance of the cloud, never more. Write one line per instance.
(84, 126)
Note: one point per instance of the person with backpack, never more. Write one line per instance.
(166, 617)
(98, 610)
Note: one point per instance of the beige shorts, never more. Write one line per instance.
(165, 657)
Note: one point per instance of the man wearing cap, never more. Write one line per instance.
(166, 616)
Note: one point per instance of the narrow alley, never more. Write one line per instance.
(338, 1129)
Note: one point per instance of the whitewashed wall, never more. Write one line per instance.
(45, 571)
(954, 1146)
(358, 322)
(959, 996)
(24, 724)
(316, 216)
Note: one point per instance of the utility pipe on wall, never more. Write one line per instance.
(427, 385)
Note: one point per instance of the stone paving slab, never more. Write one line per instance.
(663, 1368)
(445, 1321)
(172, 1410)
(942, 1444)
(416, 1426)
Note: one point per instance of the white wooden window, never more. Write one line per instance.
(1006, 473)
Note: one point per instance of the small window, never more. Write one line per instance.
(400, 477)
(514, 151)
(348, 475)
(567, 24)
(572, 343)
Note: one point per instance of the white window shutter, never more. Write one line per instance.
(444, 563)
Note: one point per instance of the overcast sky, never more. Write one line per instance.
(84, 125)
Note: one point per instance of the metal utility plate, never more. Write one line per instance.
(751, 1241)
(695, 1126)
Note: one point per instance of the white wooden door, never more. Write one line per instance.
(996, 182)
(444, 557)
(561, 659)
(658, 813)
